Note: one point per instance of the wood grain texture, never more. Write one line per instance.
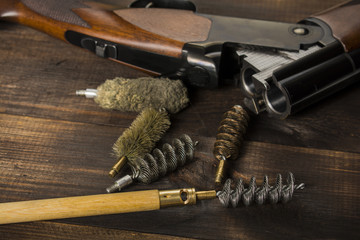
(54, 230)
(104, 24)
(183, 26)
(344, 23)
(54, 144)
(79, 206)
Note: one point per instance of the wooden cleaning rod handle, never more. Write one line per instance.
(102, 204)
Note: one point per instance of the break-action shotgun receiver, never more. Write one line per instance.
(281, 67)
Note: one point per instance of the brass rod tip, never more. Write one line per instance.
(205, 195)
(118, 166)
(220, 172)
(112, 173)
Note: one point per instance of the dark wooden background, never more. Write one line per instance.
(55, 144)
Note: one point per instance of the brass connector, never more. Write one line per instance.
(204, 195)
(186, 196)
(220, 172)
(116, 168)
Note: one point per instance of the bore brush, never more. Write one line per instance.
(140, 138)
(102, 204)
(152, 166)
(229, 139)
(136, 94)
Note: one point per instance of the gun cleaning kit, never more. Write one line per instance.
(148, 167)
(268, 60)
(138, 140)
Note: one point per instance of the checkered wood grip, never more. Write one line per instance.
(60, 10)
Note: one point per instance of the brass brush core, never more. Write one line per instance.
(119, 165)
(229, 139)
(220, 172)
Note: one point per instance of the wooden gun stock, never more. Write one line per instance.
(121, 35)
(345, 23)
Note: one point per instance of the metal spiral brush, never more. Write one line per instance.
(159, 163)
(229, 139)
(259, 195)
(227, 147)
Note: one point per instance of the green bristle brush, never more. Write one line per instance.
(137, 94)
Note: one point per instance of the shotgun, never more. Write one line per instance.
(281, 67)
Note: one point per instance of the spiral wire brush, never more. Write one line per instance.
(227, 147)
(159, 163)
(140, 138)
(259, 195)
(136, 94)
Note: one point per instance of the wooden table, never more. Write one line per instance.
(55, 144)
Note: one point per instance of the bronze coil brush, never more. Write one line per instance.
(229, 139)
(141, 137)
(227, 147)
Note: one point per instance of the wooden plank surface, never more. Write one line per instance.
(54, 230)
(55, 144)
